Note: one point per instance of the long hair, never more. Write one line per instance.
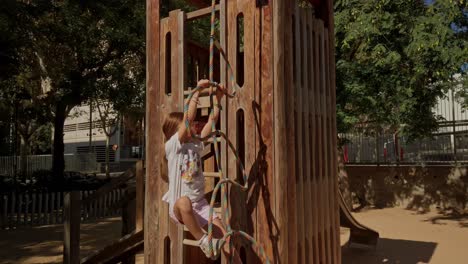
(171, 124)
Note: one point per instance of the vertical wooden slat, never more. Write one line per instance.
(308, 140)
(153, 94)
(280, 141)
(313, 142)
(13, 210)
(95, 204)
(71, 244)
(87, 207)
(319, 146)
(330, 152)
(46, 209)
(290, 31)
(325, 149)
(20, 209)
(140, 188)
(4, 222)
(52, 208)
(58, 212)
(33, 208)
(299, 136)
(113, 201)
(40, 219)
(26, 209)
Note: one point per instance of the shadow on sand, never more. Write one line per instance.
(391, 251)
(44, 244)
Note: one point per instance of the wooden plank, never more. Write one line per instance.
(57, 212)
(313, 141)
(26, 209)
(267, 211)
(13, 211)
(5, 211)
(299, 136)
(140, 192)
(33, 209)
(280, 139)
(290, 92)
(152, 235)
(200, 13)
(325, 148)
(331, 65)
(71, 244)
(114, 183)
(118, 251)
(19, 217)
(175, 103)
(319, 147)
(40, 218)
(307, 137)
(46, 209)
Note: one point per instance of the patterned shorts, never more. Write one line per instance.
(201, 209)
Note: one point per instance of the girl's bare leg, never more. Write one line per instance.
(184, 212)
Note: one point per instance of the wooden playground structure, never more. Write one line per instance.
(281, 121)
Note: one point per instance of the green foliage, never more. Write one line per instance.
(393, 60)
(63, 52)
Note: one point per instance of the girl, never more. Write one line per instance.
(187, 204)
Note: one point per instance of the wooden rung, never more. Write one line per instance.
(204, 92)
(201, 13)
(190, 242)
(212, 174)
(218, 139)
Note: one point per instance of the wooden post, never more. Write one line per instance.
(140, 195)
(128, 223)
(71, 242)
(153, 157)
(280, 139)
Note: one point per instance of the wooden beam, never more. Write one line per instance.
(153, 111)
(113, 184)
(140, 195)
(200, 13)
(118, 251)
(280, 139)
(71, 223)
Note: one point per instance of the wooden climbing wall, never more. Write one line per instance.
(282, 122)
(309, 50)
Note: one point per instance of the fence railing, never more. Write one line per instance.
(35, 208)
(9, 165)
(388, 148)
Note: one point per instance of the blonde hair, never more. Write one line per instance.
(171, 124)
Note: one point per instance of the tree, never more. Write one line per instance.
(393, 60)
(76, 44)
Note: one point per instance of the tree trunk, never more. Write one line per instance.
(58, 159)
(107, 156)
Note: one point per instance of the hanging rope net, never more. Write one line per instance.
(224, 181)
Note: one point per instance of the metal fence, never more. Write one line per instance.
(36, 208)
(86, 162)
(388, 148)
(448, 145)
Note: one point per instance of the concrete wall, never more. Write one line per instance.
(416, 187)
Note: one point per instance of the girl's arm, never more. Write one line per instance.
(213, 119)
(184, 132)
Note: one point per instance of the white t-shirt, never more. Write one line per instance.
(184, 170)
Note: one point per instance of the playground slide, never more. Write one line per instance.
(118, 251)
(360, 234)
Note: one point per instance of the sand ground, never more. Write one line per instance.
(406, 238)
